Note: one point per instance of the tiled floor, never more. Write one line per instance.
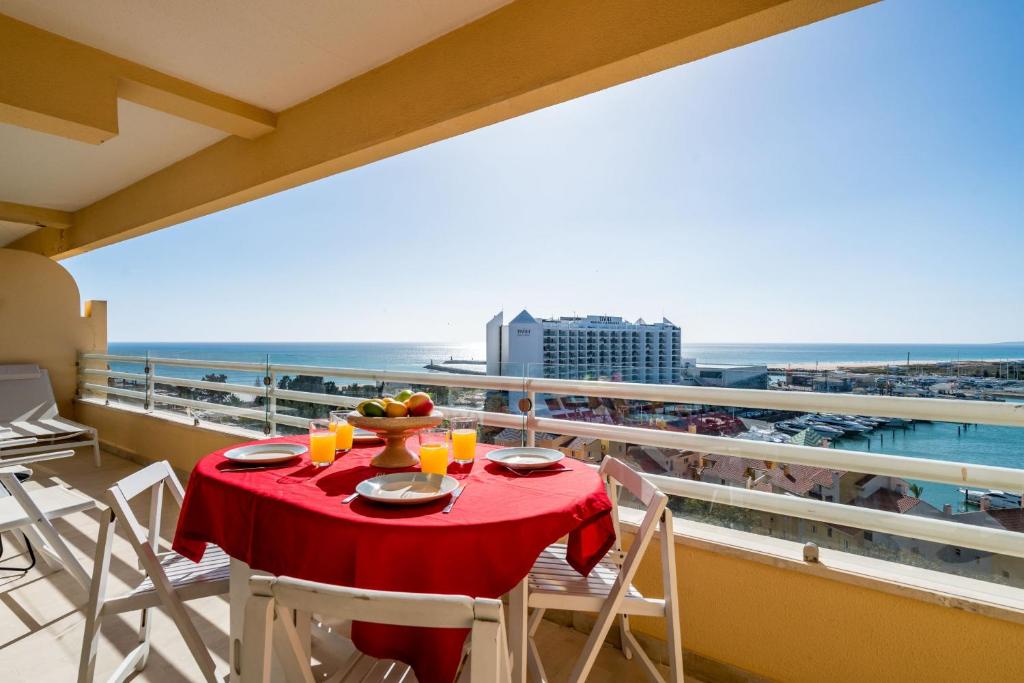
(41, 625)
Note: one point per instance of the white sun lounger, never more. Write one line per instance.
(28, 410)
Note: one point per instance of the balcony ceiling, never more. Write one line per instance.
(263, 52)
(120, 117)
(46, 170)
(270, 53)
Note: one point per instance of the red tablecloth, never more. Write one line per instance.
(290, 521)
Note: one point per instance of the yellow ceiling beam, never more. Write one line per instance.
(55, 85)
(35, 215)
(526, 55)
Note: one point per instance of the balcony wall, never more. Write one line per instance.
(144, 438)
(751, 608)
(42, 321)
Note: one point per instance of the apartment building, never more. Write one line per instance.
(589, 347)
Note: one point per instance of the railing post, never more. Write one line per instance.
(149, 405)
(531, 433)
(78, 376)
(270, 381)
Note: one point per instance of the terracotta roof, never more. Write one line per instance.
(908, 503)
(796, 479)
(892, 501)
(1011, 519)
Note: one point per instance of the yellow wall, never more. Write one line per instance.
(790, 626)
(40, 320)
(145, 438)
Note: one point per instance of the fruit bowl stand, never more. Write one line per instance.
(394, 431)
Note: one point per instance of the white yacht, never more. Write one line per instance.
(842, 423)
(997, 500)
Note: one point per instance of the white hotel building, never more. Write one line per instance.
(592, 347)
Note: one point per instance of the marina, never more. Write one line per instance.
(981, 444)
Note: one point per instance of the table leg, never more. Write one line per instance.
(517, 625)
(238, 594)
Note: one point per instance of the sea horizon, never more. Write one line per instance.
(399, 355)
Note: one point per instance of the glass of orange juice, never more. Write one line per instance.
(343, 431)
(463, 438)
(321, 443)
(434, 451)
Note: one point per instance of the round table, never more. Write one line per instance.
(290, 521)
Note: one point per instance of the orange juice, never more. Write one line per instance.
(434, 458)
(321, 447)
(343, 433)
(463, 444)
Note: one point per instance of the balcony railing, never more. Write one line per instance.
(93, 381)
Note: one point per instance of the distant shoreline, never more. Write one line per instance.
(880, 365)
(411, 357)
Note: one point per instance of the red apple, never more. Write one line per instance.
(419, 404)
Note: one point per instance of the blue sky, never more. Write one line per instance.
(857, 180)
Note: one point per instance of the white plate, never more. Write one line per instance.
(406, 488)
(525, 458)
(265, 453)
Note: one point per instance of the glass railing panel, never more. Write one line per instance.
(134, 384)
(374, 366)
(196, 396)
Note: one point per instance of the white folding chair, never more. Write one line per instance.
(273, 599)
(170, 579)
(608, 589)
(28, 409)
(32, 512)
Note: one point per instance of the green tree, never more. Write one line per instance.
(212, 395)
(311, 384)
(916, 490)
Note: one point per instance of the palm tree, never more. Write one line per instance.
(916, 490)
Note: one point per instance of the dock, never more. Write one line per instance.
(443, 367)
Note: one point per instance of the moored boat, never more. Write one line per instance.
(997, 500)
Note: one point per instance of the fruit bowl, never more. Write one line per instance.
(394, 431)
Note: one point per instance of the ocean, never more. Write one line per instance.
(409, 356)
(403, 356)
(983, 444)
